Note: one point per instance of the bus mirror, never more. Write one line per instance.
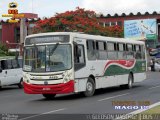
(79, 52)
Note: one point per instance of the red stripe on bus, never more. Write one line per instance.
(49, 89)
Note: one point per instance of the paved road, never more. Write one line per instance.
(31, 107)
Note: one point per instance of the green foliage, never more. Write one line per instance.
(80, 20)
(4, 50)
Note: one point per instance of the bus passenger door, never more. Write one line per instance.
(79, 58)
(80, 70)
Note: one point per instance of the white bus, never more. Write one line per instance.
(66, 62)
(11, 72)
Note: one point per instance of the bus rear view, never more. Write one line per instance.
(48, 65)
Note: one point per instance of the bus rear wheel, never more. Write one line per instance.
(130, 82)
(90, 88)
(49, 96)
(129, 85)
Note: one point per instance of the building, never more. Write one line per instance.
(10, 32)
(116, 19)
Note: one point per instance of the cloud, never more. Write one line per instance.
(122, 6)
(48, 8)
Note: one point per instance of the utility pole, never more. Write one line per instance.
(23, 30)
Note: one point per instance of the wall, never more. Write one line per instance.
(8, 33)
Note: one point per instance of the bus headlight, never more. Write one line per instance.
(66, 80)
(67, 77)
(25, 79)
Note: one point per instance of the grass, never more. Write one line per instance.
(155, 110)
(151, 114)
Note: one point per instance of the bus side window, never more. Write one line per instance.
(138, 54)
(111, 49)
(91, 50)
(121, 51)
(130, 52)
(101, 50)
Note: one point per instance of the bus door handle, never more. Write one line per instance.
(5, 72)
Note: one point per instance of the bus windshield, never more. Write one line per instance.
(47, 58)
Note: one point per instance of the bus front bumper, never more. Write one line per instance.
(49, 89)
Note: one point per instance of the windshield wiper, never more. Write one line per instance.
(55, 47)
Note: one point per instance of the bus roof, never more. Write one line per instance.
(87, 36)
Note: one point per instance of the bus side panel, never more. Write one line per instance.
(138, 77)
(122, 79)
(106, 81)
(80, 85)
(81, 77)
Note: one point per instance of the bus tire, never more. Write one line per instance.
(49, 96)
(130, 82)
(20, 84)
(90, 88)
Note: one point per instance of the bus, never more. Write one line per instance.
(70, 62)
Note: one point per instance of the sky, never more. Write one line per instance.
(48, 8)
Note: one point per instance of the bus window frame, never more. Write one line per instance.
(124, 50)
(94, 49)
(97, 49)
(132, 51)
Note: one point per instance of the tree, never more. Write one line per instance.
(80, 20)
(4, 50)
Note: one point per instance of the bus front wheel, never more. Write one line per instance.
(49, 96)
(90, 88)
